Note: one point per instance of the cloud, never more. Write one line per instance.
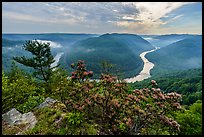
(135, 17)
(150, 14)
(176, 17)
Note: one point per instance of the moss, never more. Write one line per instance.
(12, 129)
(46, 121)
(53, 122)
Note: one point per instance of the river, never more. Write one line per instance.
(57, 58)
(145, 73)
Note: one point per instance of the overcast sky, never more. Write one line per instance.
(102, 17)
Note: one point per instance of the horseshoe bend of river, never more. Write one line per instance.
(145, 73)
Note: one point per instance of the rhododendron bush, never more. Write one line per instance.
(116, 110)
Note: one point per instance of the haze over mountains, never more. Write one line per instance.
(122, 50)
(165, 40)
(62, 38)
(181, 55)
(178, 51)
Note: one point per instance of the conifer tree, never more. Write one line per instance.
(41, 60)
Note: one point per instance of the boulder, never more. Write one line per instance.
(30, 119)
(14, 117)
(48, 101)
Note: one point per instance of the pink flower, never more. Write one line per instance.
(85, 73)
(153, 82)
(90, 73)
(81, 61)
(73, 73)
(82, 65)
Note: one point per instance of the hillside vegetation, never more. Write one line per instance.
(122, 50)
(182, 55)
(108, 106)
(97, 108)
(188, 83)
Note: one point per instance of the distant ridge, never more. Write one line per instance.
(181, 55)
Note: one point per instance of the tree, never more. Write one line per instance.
(106, 67)
(16, 91)
(191, 120)
(42, 60)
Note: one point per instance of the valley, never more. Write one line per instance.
(102, 68)
(129, 54)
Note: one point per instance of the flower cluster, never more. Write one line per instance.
(108, 78)
(111, 104)
(169, 122)
(80, 72)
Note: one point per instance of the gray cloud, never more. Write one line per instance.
(98, 16)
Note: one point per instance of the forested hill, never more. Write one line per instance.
(63, 38)
(182, 55)
(165, 40)
(122, 50)
(134, 42)
(174, 36)
(187, 82)
(11, 43)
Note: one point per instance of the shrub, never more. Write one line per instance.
(31, 103)
(16, 91)
(191, 120)
(74, 118)
(109, 105)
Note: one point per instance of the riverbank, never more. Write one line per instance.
(145, 73)
(57, 58)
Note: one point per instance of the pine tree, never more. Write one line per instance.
(41, 61)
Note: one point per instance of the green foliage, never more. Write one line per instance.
(196, 107)
(106, 67)
(74, 118)
(188, 83)
(46, 122)
(122, 127)
(32, 102)
(53, 121)
(58, 84)
(108, 106)
(17, 88)
(41, 61)
(191, 120)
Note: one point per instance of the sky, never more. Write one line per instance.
(102, 17)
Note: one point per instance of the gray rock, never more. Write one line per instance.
(48, 101)
(30, 119)
(13, 117)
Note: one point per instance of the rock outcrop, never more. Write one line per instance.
(14, 117)
(48, 101)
